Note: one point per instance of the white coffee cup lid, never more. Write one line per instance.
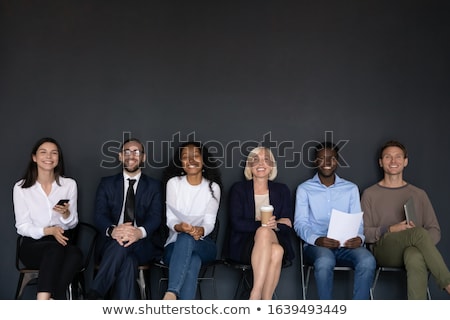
(267, 208)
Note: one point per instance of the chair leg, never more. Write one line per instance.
(244, 284)
(303, 282)
(306, 283)
(163, 278)
(24, 280)
(20, 286)
(213, 279)
(202, 277)
(214, 288)
(142, 282)
(240, 285)
(76, 289)
(375, 280)
(81, 287)
(428, 287)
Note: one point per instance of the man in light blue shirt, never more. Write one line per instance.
(315, 199)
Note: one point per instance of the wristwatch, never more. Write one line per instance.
(110, 230)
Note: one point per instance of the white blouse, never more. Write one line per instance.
(33, 209)
(191, 204)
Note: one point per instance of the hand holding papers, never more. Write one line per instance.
(343, 226)
(194, 220)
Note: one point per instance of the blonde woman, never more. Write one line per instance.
(266, 247)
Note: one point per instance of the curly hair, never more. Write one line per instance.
(210, 169)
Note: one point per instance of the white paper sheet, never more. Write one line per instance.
(344, 226)
(194, 220)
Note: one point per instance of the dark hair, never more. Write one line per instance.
(31, 174)
(133, 140)
(326, 145)
(394, 143)
(210, 170)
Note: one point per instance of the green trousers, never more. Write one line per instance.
(414, 250)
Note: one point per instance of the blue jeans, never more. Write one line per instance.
(184, 258)
(324, 261)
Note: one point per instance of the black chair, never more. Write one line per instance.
(245, 282)
(85, 236)
(144, 281)
(207, 271)
(390, 269)
(27, 277)
(307, 268)
(381, 268)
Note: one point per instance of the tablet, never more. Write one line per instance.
(410, 211)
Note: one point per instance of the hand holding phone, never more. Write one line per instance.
(62, 202)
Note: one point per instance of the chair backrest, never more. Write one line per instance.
(19, 264)
(18, 241)
(215, 233)
(85, 237)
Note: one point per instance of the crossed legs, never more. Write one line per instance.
(414, 249)
(267, 256)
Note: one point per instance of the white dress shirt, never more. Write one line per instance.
(33, 208)
(191, 204)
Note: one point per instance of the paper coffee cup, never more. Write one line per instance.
(266, 213)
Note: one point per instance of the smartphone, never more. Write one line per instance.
(62, 202)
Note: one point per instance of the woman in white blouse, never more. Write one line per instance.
(193, 189)
(45, 225)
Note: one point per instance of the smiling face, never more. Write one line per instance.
(132, 156)
(326, 162)
(260, 163)
(393, 160)
(47, 156)
(192, 160)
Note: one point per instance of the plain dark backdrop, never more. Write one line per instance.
(233, 74)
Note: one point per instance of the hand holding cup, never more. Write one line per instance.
(266, 213)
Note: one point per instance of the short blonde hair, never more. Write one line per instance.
(248, 170)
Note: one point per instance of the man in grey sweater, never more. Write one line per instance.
(397, 243)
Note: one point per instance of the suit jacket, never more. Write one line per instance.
(149, 210)
(242, 216)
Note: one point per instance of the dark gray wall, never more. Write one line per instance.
(230, 73)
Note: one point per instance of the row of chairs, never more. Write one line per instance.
(86, 237)
(207, 273)
(306, 270)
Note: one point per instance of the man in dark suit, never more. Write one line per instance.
(126, 242)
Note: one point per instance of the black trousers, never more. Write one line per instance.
(57, 264)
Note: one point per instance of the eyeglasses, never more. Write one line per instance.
(128, 152)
